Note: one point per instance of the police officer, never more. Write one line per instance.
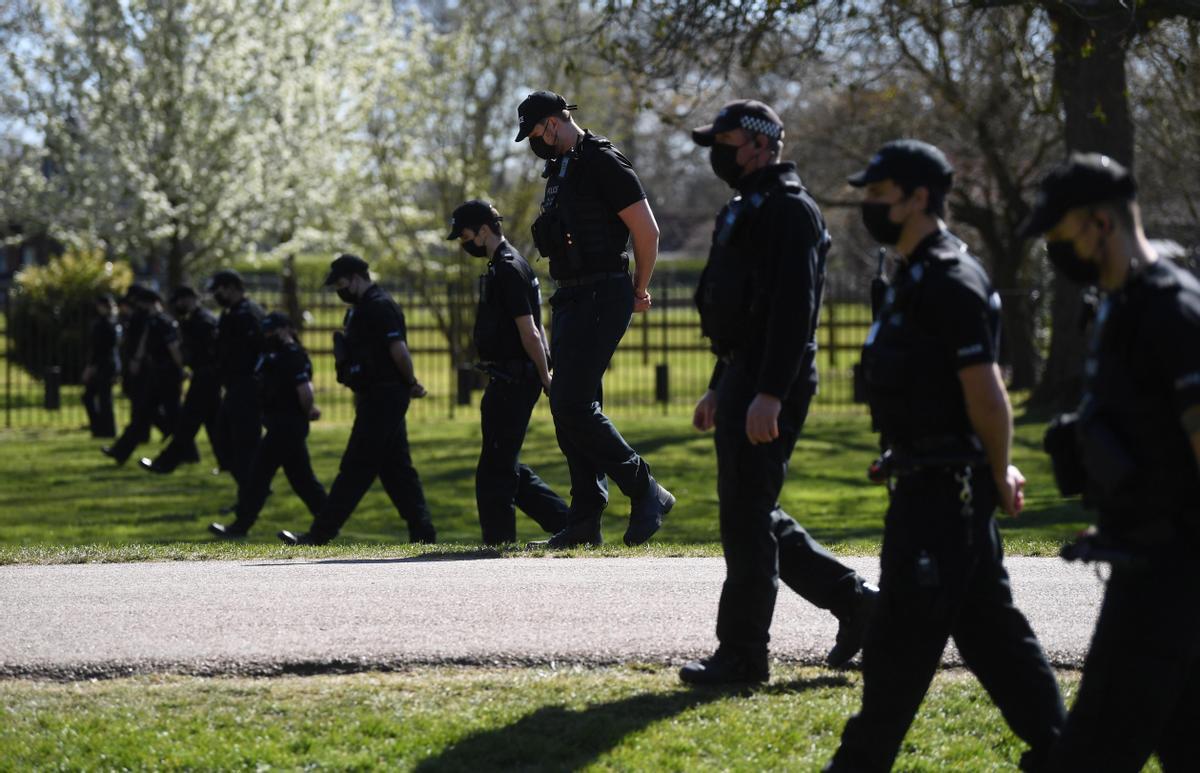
(283, 375)
(373, 360)
(594, 204)
(1133, 451)
(759, 301)
(943, 414)
(198, 332)
(154, 363)
(513, 350)
(239, 344)
(103, 365)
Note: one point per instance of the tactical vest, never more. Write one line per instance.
(912, 384)
(491, 319)
(1141, 470)
(576, 230)
(727, 296)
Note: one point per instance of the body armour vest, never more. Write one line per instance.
(496, 336)
(728, 297)
(1141, 470)
(912, 382)
(576, 230)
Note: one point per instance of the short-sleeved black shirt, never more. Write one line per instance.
(102, 346)
(941, 316)
(507, 291)
(239, 341)
(596, 174)
(279, 372)
(161, 332)
(372, 325)
(198, 331)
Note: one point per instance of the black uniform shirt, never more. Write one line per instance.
(280, 371)
(605, 176)
(102, 346)
(239, 341)
(199, 333)
(133, 328)
(940, 315)
(1142, 374)
(509, 290)
(161, 332)
(372, 325)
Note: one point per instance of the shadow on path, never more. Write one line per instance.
(563, 738)
(473, 555)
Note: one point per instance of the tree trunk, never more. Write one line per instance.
(1089, 74)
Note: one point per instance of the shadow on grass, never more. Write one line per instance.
(564, 738)
(437, 555)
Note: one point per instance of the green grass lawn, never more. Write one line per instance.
(60, 500)
(467, 719)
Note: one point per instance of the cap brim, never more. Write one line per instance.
(704, 136)
(865, 177)
(455, 232)
(331, 277)
(521, 134)
(1040, 221)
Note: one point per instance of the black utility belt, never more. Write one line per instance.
(898, 462)
(510, 370)
(587, 279)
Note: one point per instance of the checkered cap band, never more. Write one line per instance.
(761, 126)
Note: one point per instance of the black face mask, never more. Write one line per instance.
(879, 225)
(1066, 261)
(475, 250)
(180, 312)
(346, 295)
(222, 300)
(541, 148)
(723, 159)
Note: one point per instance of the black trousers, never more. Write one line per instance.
(589, 321)
(239, 427)
(943, 576)
(98, 402)
(378, 448)
(502, 482)
(284, 445)
(1140, 692)
(200, 407)
(153, 401)
(762, 543)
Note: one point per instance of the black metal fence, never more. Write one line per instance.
(662, 364)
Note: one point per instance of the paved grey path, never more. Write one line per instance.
(263, 617)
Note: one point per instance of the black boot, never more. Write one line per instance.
(646, 514)
(852, 627)
(232, 531)
(725, 667)
(422, 533)
(152, 465)
(292, 538)
(579, 532)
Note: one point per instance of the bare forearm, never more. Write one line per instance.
(403, 360)
(532, 343)
(307, 398)
(645, 255)
(990, 414)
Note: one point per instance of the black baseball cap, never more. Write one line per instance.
(909, 163)
(183, 291)
(472, 214)
(143, 294)
(275, 321)
(226, 277)
(346, 265)
(536, 107)
(748, 114)
(1083, 180)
